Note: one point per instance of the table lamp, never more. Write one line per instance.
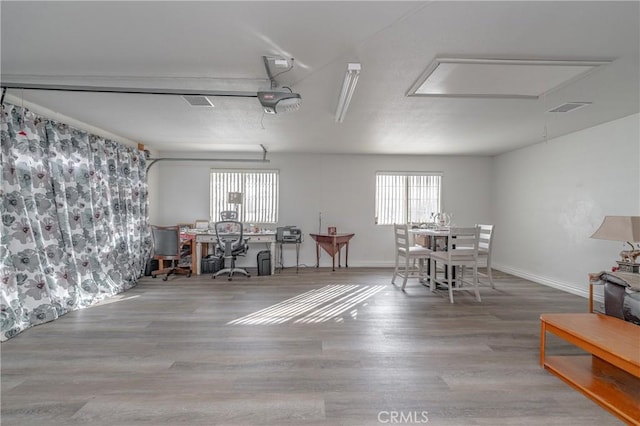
(621, 228)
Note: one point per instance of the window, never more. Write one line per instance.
(406, 197)
(260, 192)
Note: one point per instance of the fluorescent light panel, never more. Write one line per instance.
(498, 78)
(348, 87)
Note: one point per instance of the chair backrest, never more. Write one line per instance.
(228, 215)
(463, 241)
(230, 236)
(166, 242)
(401, 233)
(486, 238)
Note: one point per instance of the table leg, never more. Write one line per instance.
(272, 249)
(317, 255)
(333, 258)
(198, 258)
(346, 255)
(590, 297)
(297, 256)
(431, 243)
(194, 258)
(543, 332)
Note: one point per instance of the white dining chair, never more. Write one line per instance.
(462, 252)
(409, 252)
(484, 251)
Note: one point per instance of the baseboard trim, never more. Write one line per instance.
(360, 264)
(549, 282)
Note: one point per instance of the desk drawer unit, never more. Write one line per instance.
(206, 238)
(261, 238)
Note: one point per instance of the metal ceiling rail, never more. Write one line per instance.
(230, 160)
(105, 89)
(127, 90)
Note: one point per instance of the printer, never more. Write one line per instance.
(288, 234)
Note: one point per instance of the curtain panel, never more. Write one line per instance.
(74, 219)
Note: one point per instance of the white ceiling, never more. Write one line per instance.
(219, 46)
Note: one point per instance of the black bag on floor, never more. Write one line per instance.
(152, 265)
(264, 262)
(211, 264)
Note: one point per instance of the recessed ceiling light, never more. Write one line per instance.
(498, 78)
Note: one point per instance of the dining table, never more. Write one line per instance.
(432, 238)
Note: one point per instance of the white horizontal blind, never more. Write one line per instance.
(390, 199)
(424, 197)
(260, 194)
(403, 197)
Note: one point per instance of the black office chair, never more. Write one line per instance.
(231, 244)
(228, 215)
(168, 246)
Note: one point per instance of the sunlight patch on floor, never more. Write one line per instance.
(315, 306)
(114, 299)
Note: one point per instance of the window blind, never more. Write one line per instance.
(260, 193)
(405, 197)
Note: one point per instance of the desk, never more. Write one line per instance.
(253, 238)
(332, 244)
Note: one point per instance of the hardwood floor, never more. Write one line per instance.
(163, 353)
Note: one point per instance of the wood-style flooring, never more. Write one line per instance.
(163, 353)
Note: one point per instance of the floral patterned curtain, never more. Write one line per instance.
(74, 219)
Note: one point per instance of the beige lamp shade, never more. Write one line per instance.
(619, 228)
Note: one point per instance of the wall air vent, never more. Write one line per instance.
(569, 106)
(198, 101)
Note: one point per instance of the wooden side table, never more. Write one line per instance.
(594, 279)
(332, 244)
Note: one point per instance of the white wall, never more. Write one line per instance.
(549, 198)
(341, 187)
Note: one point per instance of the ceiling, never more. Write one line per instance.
(220, 45)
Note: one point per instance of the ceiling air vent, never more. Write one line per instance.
(569, 106)
(198, 101)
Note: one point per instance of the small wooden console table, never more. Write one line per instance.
(332, 244)
(610, 376)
